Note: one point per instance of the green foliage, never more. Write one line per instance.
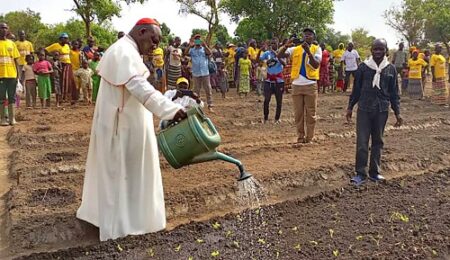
(333, 38)
(104, 35)
(221, 34)
(251, 29)
(98, 11)
(208, 10)
(421, 21)
(362, 42)
(27, 20)
(281, 17)
(437, 25)
(167, 35)
(42, 35)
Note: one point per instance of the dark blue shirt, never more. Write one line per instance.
(371, 99)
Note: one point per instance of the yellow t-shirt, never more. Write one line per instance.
(158, 57)
(25, 48)
(245, 66)
(230, 58)
(252, 53)
(75, 59)
(8, 53)
(64, 51)
(438, 62)
(415, 68)
(337, 54)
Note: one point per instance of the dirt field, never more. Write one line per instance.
(309, 209)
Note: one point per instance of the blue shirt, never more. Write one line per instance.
(274, 65)
(199, 62)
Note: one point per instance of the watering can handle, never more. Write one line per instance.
(211, 126)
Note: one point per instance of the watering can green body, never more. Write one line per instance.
(193, 140)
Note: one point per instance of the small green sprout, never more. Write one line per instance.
(312, 242)
(178, 248)
(216, 225)
(215, 253)
(336, 253)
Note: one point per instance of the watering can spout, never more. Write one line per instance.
(214, 155)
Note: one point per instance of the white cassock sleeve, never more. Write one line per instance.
(152, 99)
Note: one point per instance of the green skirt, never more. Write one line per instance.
(44, 86)
(244, 83)
(95, 86)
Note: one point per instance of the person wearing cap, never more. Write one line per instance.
(375, 89)
(25, 48)
(306, 59)
(199, 53)
(68, 86)
(122, 191)
(183, 96)
(351, 61)
(9, 75)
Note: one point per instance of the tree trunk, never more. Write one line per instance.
(448, 48)
(88, 29)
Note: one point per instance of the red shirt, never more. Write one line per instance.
(325, 58)
(42, 66)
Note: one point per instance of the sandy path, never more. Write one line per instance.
(4, 189)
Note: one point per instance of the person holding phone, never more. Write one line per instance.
(306, 59)
(199, 52)
(182, 96)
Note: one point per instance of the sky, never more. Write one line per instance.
(349, 14)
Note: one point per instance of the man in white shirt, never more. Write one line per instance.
(351, 60)
(305, 73)
(122, 191)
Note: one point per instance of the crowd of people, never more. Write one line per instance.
(123, 177)
(69, 71)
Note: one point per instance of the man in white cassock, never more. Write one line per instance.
(122, 192)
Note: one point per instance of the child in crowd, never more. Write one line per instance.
(158, 65)
(261, 75)
(223, 79)
(84, 75)
(183, 96)
(56, 77)
(43, 69)
(331, 74)
(185, 69)
(245, 65)
(405, 73)
(95, 77)
(29, 81)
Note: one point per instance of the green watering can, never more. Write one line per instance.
(194, 140)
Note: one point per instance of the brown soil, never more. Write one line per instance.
(404, 219)
(50, 148)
